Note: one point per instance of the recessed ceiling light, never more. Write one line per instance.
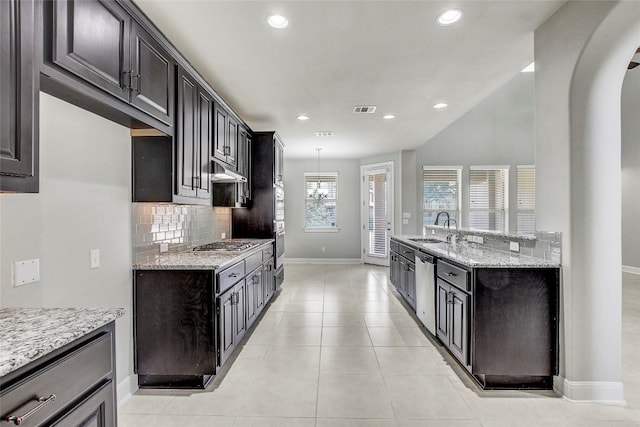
(278, 21)
(449, 17)
(302, 117)
(529, 68)
(440, 106)
(388, 116)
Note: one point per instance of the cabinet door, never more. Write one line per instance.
(232, 142)
(220, 133)
(19, 97)
(394, 269)
(402, 285)
(410, 284)
(442, 312)
(187, 134)
(226, 307)
(91, 40)
(96, 410)
(268, 281)
(260, 289)
(152, 76)
(240, 311)
(458, 335)
(252, 301)
(203, 144)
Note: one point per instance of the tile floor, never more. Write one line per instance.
(338, 348)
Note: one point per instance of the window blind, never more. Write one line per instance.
(321, 213)
(378, 213)
(526, 199)
(440, 192)
(488, 198)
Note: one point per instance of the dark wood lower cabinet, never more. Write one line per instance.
(72, 386)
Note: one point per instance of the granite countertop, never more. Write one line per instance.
(472, 255)
(27, 334)
(199, 260)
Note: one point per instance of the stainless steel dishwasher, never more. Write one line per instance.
(426, 290)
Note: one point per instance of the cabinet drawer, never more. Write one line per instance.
(253, 261)
(395, 246)
(267, 253)
(68, 378)
(453, 274)
(229, 277)
(407, 252)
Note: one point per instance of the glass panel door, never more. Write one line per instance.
(377, 213)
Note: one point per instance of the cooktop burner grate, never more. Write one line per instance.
(229, 245)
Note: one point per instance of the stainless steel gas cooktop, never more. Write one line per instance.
(227, 245)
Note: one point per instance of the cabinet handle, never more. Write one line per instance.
(195, 182)
(226, 150)
(135, 82)
(450, 274)
(43, 401)
(450, 298)
(233, 275)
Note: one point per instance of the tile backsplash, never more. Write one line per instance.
(545, 245)
(181, 227)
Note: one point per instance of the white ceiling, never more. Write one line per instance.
(338, 54)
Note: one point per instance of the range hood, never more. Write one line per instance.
(221, 174)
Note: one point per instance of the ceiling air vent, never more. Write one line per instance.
(324, 133)
(364, 109)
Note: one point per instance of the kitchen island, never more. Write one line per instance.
(57, 365)
(496, 312)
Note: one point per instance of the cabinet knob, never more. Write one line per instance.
(20, 419)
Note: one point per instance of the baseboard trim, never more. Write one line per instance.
(630, 269)
(126, 388)
(322, 261)
(601, 392)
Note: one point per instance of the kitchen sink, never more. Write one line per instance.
(426, 240)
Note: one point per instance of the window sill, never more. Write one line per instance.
(321, 230)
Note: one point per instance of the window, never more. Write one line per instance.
(321, 201)
(488, 200)
(440, 192)
(526, 197)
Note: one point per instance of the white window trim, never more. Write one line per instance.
(507, 169)
(457, 168)
(335, 229)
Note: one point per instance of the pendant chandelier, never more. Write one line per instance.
(317, 193)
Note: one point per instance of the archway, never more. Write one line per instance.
(585, 47)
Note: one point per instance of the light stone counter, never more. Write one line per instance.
(475, 256)
(199, 260)
(26, 334)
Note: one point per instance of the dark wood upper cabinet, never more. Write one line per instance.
(99, 42)
(19, 96)
(232, 142)
(193, 142)
(91, 40)
(220, 136)
(152, 76)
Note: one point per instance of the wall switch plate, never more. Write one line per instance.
(514, 246)
(405, 221)
(164, 247)
(26, 272)
(406, 215)
(94, 256)
(223, 236)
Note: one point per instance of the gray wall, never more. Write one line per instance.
(498, 131)
(631, 169)
(84, 203)
(344, 244)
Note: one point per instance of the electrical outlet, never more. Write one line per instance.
(514, 246)
(164, 247)
(479, 239)
(323, 249)
(223, 236)
(26, 272)
(94, 256)
(433, 232)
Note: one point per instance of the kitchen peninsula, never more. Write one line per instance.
(495, 311)
(215, 296)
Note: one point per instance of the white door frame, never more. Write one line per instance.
(364, 211)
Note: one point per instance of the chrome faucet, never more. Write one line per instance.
(450, 236)
(438, 217)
